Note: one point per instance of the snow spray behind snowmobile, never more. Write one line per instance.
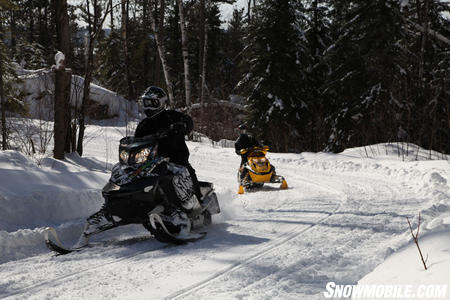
(259, 170)
(142, 189)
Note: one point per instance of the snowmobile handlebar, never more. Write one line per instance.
(264, 149)
(173, 129)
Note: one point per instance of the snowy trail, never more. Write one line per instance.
(77, 273)
(237, 284)
(339, 219)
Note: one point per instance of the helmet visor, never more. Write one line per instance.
(151, 103)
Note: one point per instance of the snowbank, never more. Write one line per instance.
(404, 268)
(33, 197)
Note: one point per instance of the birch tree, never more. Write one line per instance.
(157, 68)
(187, 82)
(161, 51)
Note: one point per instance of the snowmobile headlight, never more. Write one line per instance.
(124, 156)
(142, 155)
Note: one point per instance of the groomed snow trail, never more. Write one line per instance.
(338, 220)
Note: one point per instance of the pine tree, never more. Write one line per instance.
(110, 69)
(315, 39)
(142, 56)
(428, 72)
(366, 63)
(233, 47)
(270, 84)
(174, 53)
(11, 99)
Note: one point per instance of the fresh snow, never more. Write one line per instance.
(343, 219)
(405, 268)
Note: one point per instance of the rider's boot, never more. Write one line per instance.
(176, 221)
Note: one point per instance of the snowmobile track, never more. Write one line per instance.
(67, 276)
(281, 240)
(273, 245)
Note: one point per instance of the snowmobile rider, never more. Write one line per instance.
(172, 127)
(176, 124)
(245, 141)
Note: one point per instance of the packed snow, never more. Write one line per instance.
(342, 220)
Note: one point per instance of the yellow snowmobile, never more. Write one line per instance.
(259, 170)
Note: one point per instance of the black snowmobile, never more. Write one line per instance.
(146, 189)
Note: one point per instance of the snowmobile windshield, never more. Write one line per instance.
(134, 150)
(258, 151)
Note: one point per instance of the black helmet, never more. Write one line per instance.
(153, 100)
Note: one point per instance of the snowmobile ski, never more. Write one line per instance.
(163, 235)
(56, 245)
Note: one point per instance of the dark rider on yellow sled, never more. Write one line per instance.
(255, 168)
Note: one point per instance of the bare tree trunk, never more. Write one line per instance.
(431, 32)
(94, 28)
(201, 38)
(13, 32)
(187, 82)
(68, 115)
(203, 82)
(424, 19)
(73, 132)
(3, 106)
(161, 52)
(111, 15)
(59, 114)
(87, 82)
(124, 35)
(157, 70)
(30, 24)
(2, 96)
(62, 88)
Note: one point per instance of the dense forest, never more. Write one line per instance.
(313, 75)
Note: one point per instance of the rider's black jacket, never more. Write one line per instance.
(174, 145)
(245, 141)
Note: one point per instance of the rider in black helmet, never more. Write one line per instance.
(159, 119)
(245, 141)
(176, 125)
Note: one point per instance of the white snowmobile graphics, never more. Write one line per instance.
(146, 188)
